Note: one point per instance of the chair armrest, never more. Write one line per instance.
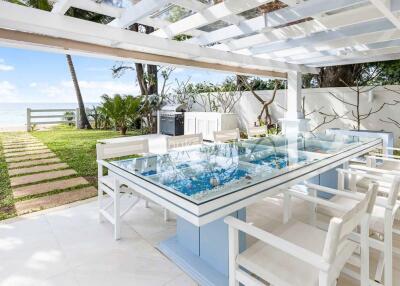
(384, 158)
(371, 169)
(384, 155)
(283, 245)
(366, 175)
(380, 201)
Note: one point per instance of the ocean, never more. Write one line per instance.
(14, 114)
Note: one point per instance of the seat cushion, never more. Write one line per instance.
(377, 217)
(280, 268)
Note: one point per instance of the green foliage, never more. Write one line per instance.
(77, 147)
(7, 209)
(121, 109)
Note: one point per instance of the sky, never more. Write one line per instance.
(42, 77)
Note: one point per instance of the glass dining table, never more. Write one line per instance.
(205, 183)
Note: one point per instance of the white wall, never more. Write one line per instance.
(248, 107)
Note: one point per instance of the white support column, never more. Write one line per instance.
(77, 118)
(293, 100)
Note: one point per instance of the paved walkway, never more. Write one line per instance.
(39, 180)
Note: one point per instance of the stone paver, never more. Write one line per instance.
(19, 154)
(25, 148)
(29, 179)
(31, 157)
(54, 200)
(48, 187)
(36, 169)
(33, 163)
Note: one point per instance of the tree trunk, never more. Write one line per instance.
(83, 122)
(335, 75)
(123, 130)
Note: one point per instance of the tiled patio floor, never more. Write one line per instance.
(67, 246)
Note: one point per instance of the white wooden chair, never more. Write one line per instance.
(227, 135)
(382, 216)
(256, 131)
(387, 162)
(300, 254)
(106, 182)
(184, 141)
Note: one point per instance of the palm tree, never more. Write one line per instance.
(123, 110)
(47, 6)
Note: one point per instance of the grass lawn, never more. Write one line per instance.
(75, 147)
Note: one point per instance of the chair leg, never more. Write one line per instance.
(388, 249)
(233, 246)
(117, 215)
(380, 267)
(146, 203)
(323, 279)
(100, 202)
(313, 208)
(364, 243)
(166, 215)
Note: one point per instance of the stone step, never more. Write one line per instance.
(24, 148)
(19, 144)
(37, 169)
(31, 157)
(32, 152)
(30, 179)
(46, 202)
(33, 163)
(48, 187)
(20, 141)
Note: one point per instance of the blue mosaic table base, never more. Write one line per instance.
(202, 252)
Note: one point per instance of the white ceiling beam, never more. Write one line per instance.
(195, 6)
(376, 25)
(274, 19)
(348, 55)
(346, 18)
(61, 6)
(92, 6)
(13, 17)
(381, 6)
(220, 11)
(368, 59)
(160, 23)
(136, 12)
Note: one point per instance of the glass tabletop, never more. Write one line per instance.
(203, 173)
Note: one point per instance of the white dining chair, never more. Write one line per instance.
(224, 136)
(106, 181)
(174, 142)
(256, 131)
(382, 216)
(386, 161)
(296, 253)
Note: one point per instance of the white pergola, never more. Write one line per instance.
(231, 36)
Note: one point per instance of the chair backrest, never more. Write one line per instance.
(184, 140)
(341, 227)
(253, 131)
(394, 191)
(227, 135)
(120, 149)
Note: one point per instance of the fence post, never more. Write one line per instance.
(77, 118)
(28, 119)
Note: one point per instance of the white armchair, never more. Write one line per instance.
(382, 216)
(300, 254)
(227, 135)
(174, 142)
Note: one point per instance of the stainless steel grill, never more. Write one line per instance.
(172, 119)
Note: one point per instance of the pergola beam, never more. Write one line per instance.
(53, 44)
(381, 6)
(273, 19)
(220, 11)
(61, 6)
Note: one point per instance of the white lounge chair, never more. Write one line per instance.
(227, 135)
(300, 254)
(174, 142)
(106, 182)
(382, 216)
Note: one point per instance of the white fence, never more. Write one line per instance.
(380, 107)
(53, 116)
